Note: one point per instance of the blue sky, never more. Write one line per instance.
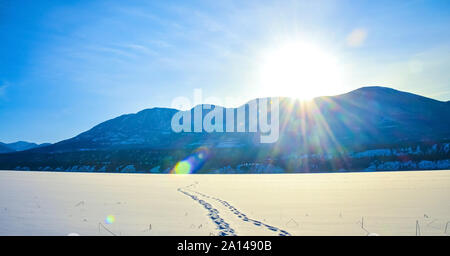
(66, 66)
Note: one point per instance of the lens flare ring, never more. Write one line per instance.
(110, 219)
(192, 163)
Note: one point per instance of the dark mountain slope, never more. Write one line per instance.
(5, 149)
(369, 115)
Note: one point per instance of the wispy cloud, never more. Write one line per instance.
(3, 88)
(141, 49)
(112, 50)
(357, 37)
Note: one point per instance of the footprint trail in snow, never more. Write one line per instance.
(223, 227)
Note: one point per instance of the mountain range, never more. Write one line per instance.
(364, 119)
(367, 116)
(19, 146)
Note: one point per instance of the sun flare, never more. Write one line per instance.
(299, 70)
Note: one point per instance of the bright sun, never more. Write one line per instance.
(299, 70)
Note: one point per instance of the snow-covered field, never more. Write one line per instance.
(389, 203)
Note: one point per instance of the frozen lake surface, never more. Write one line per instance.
(388, 203)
